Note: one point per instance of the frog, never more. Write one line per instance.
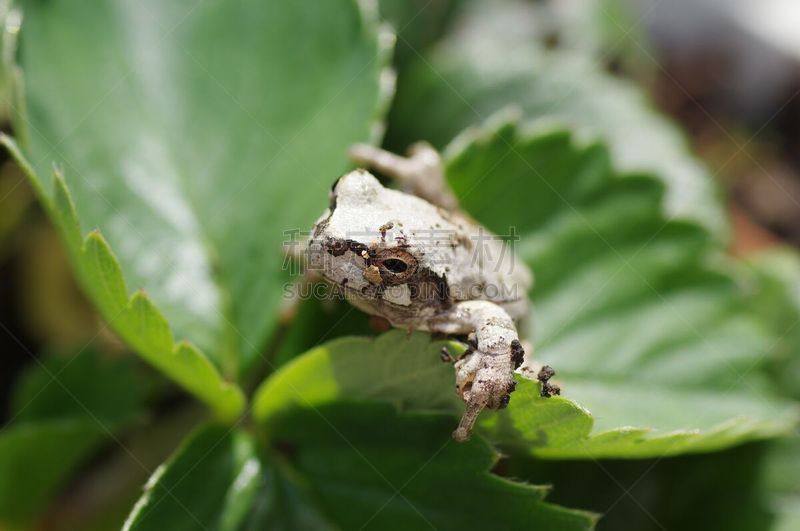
(412, 257)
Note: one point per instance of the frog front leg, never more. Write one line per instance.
(485, 374)
(422, 172)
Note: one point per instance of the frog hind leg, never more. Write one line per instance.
(485, 376)
(421, 173)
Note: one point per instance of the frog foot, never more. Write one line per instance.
(484, 380)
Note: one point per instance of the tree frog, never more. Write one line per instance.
(412, 258)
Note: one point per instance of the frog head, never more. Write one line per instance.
(364, 242)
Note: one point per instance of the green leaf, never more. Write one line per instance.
(721, 490)
(402, 369)
(493, 61)
(397, 367)
(136, 318)
(776, 275)
(36, 459)
(282, 505)
(209, 483)
(83, 385)
(62, 411)
(635, 311)
(417, 24)
(330, 468)
(191, 137)
(371, 468)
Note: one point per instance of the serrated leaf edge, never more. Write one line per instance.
(225, 399)
(509, 122)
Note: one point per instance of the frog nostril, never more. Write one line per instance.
(336, 247)
(395, 265)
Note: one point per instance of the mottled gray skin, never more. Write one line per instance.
(422, 266)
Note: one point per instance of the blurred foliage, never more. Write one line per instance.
(62, 411)
(782, 471)
(16, 198)
(460, 82)
(172, 144)
(778, 273)
(417, 24)
(53, 307)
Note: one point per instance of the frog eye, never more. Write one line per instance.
(396, 265)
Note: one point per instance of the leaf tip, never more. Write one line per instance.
(141, 300)
(185, 346)
(64, 207)
(94, 236)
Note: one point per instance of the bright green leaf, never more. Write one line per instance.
(492, 61)
(191, 136)
(209, 484)
(370, 468)
(402, 369)
(394, 367)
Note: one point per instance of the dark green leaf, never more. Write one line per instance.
(62, 410)
(83, 385)
(283, 505)
(35, 460)
(371, 468)
(208, 484)
(417, 24)
(720, 490)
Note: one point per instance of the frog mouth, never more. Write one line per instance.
(395, 296)
(367, 291)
